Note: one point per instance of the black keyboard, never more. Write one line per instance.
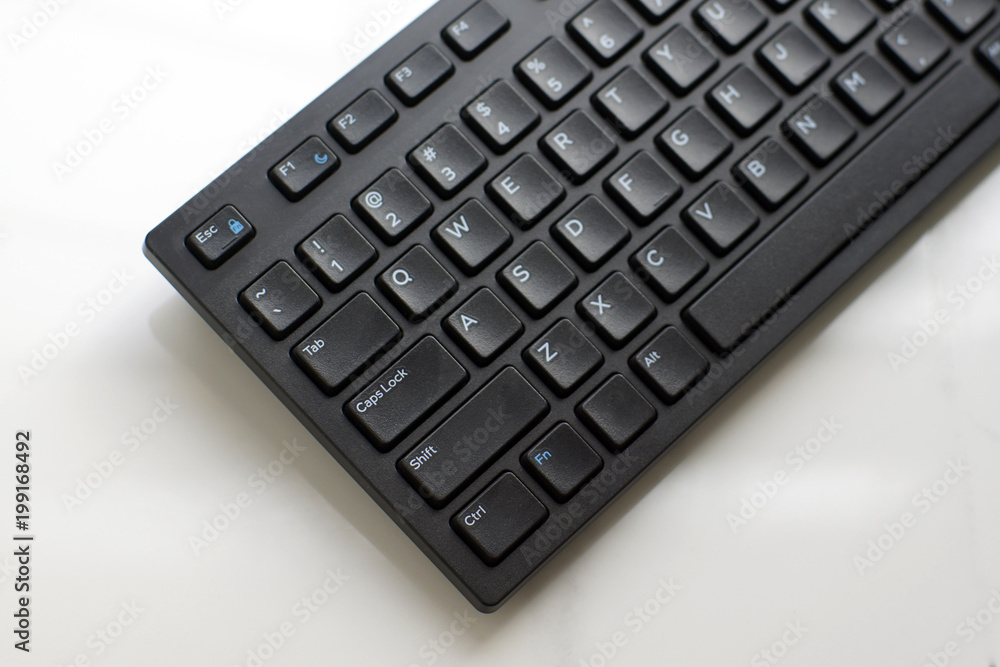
(509, 259)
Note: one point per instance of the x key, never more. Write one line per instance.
(617, 310)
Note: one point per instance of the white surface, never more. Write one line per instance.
(227, 80)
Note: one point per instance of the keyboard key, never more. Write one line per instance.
(279, 300)
(562, 462)
(364, 119)
(303, 169)
(552, 73)
(578, 146)
(693, 144)
(525, 191)
(989, 52)
(219, 237)
(617, 310)
(416, 77)
(604, 31)
(781, 5)
(630, 103)
(643, 188)
(867, 88)
(474, 30)
(680, 60)
(499, 519)
(591, 233)
(471, 237)
(467, 441)
(410, 389)
(655, 11)
(500, 116)
(731, 22)
(417, 284)
(537, 279)
(669, 264)
(840, 22)
(616, 413)
(446, 160)
(563, 358)
(353, 337)
(818, 130)
(669, 365)
(792, 58)
(392, 206)
(770, 174)
(914, 46)
(720, 218)
(336, 253)
(483, 327)
(961, 17)
(743, 100)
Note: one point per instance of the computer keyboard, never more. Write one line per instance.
(509, 259)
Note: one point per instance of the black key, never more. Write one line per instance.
(446, 160)
(466, 442)
(792, 58)
(655, 11)
(303, 169)
(989, 52)
(525, 191)
(643, 187)
(500, 116)
(914, 46)
(818, 130)
(743, 100)
(499, 519)
(392, 206)
(735, 305)
(471, 237)
(617, 310)
(867, 88)
(616, 413)
(417, 284)
(474, 30)
(347, 342)
(591, 233)
(416, 77)
(279, 300)
(841, 22)
(669, 264)
(669, 365)
(630, 102)
(537, 279)
(731, 22)
(961, 17)
(219, 237)
(604, 31)
(562, 462)
(552, 73)
(693, 143)
(720, 218)
(680, 60)
(483, 327)
(578, 146)
(364, 119)
(563, 358)
(770, 174)
(781, 5)
(410, 389)
(336, 253)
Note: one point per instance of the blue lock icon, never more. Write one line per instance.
(235, 226)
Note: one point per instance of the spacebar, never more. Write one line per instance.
(863, 189)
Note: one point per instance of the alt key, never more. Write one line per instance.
(303, 169)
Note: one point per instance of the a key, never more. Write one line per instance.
(537, 279)
(416, 77)
(553, 73)
(630, 103)
(693, 143)
(364, 119)
(818, 130)
(720, 218)
(578, 146)
(669, 365)
(770, 174)
(914, 46)
(989, 52)
(643, 187)
(616, 413)
(303, 169)
(499, 519)
(669, 264)
(792, 58)
(471, 237)
(417, 284)
(604, 31)
(867, 88)
(562, 462)
(392, 206)
(563, 357)
(336, 253)
(743, 100)
(591, 233)
(617, 309)
(478, 27)
(655, 11)
(500, 116)
(446, 160)
(219, 237)
(961, 17)
(731, 22)
(680, 60)
(279, 300)
(526, 191)
(841, 22)
(483, 327)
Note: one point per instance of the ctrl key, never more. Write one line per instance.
(220, 237)
(499, 519)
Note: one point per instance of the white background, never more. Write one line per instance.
(226, 79)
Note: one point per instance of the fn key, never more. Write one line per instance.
(499, 519)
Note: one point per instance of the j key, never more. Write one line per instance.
(279, 300)
(526, 191)
(219, 237)
(669, 264)
(770, 174)
(669, 365)
(616, 413)
(562, 462)
(483, 327)
(617, 310)
(818, 130)
(743, 100)
(471, 237)
(474, 30)
(349, 340)
(914, 46)
(731, 22)
(693, 144)
(792, 58)
(989, 52)
(841, 22)
(563, 358)
(392, 206)
(680, 60)
(655, 11)
(499, 519)
(537, 279)
(781, 5)
(604, 31)
(364, 119)
(417, 76)
(500, 116)
(336, 253)
(867, 88)
(303, 169)
(630, 102)
(578, 146)
(643, 187)
(720, 218)
(591, 233)
(446, 160)
(453, 454)
(410, 389)
(553, 73)
(417, 284)
(961, 17)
